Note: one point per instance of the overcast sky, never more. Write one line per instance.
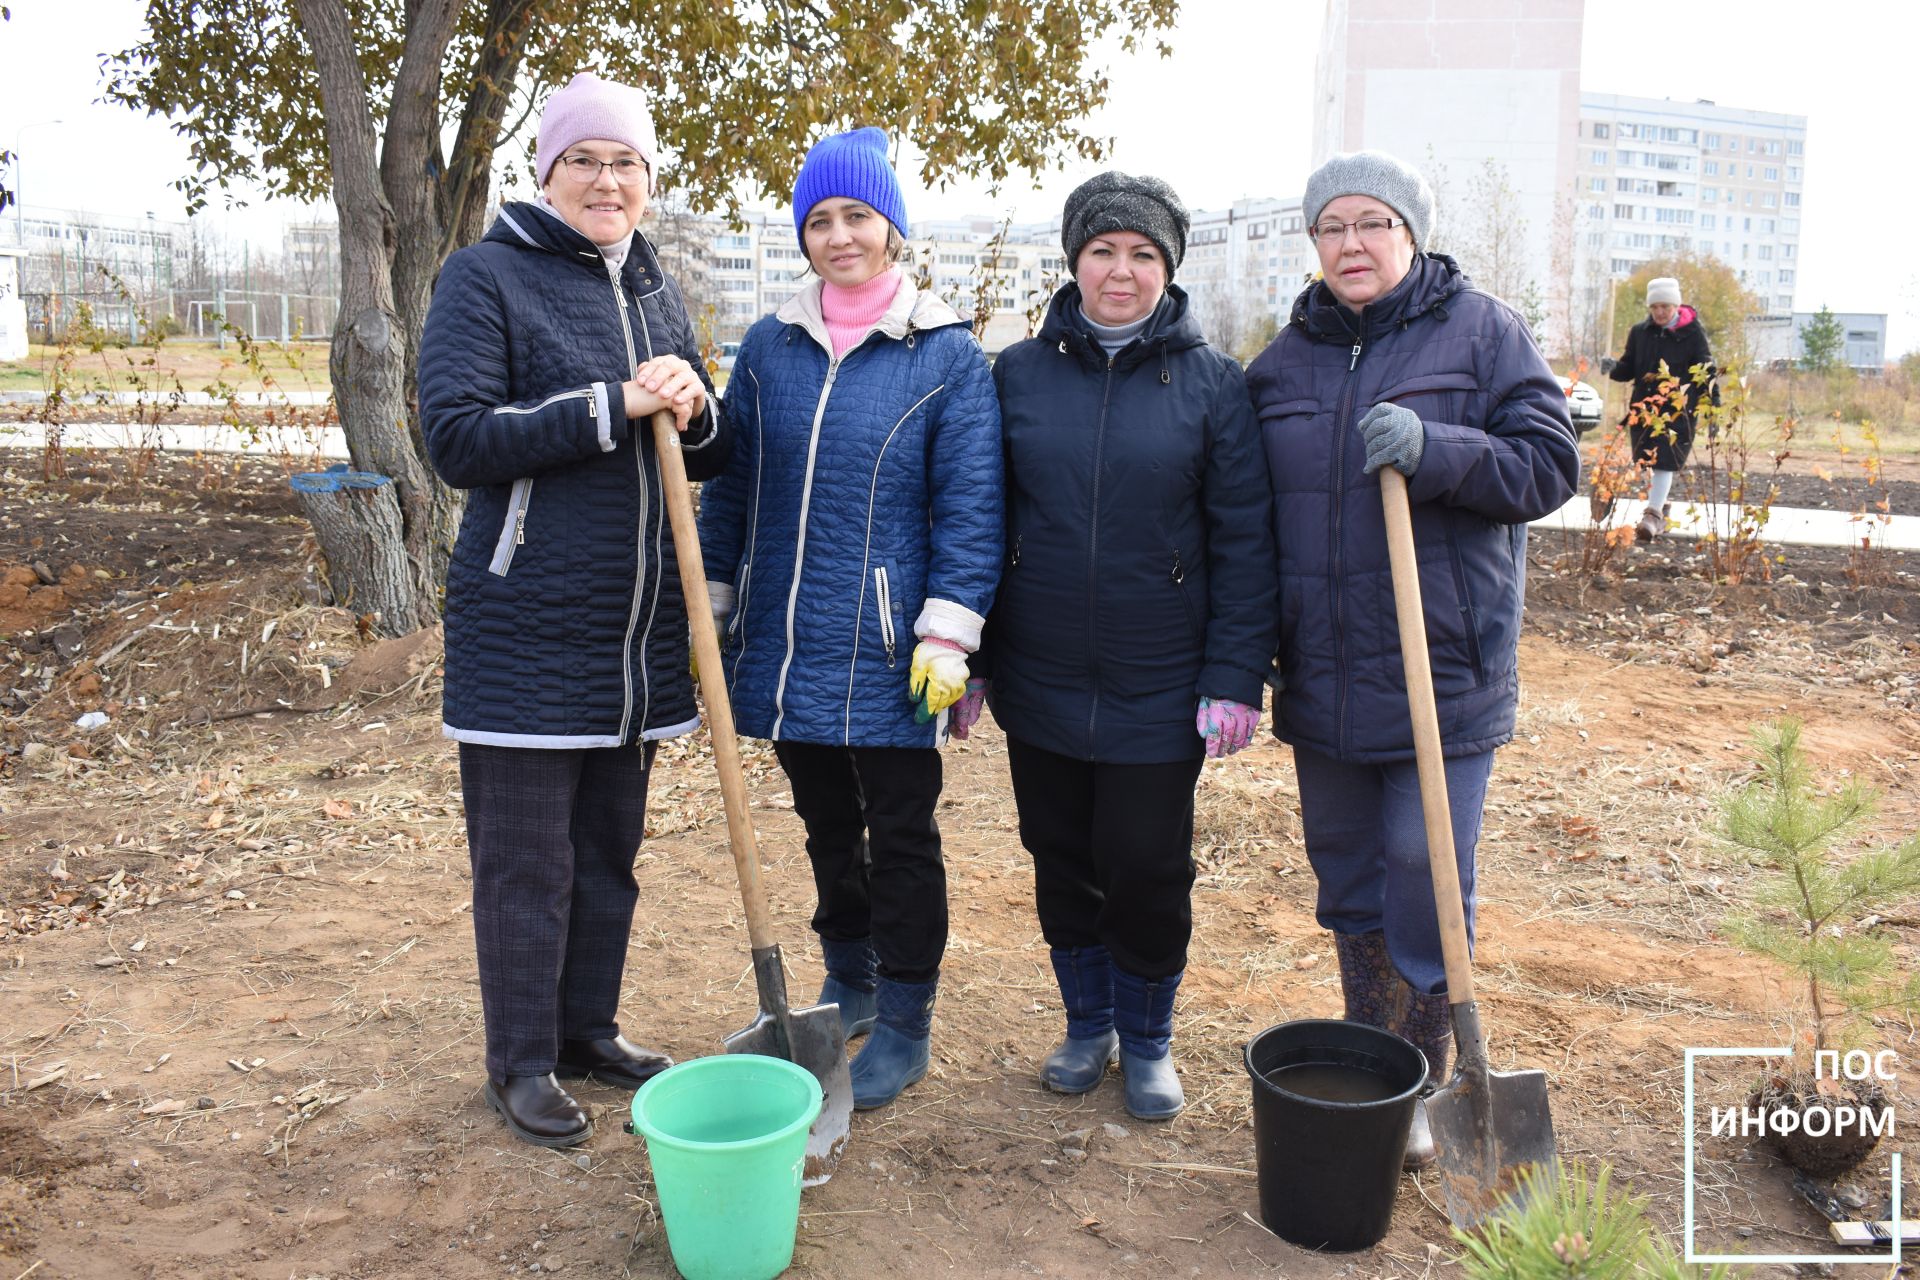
(1229, 115)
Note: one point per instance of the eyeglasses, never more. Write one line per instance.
(628, 171)
(1369, 228)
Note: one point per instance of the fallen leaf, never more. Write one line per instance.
(338, 809)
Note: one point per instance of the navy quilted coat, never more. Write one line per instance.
(861, 494)
(1141, 569)
(565, 623)
(1499, 452)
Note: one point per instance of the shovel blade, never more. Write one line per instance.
(1486, 1137)
(816, 1042)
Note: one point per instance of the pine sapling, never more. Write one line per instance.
(1805, 917)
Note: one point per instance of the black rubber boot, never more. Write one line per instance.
(1080, 1061)
(1372, 986)
(1427, 1022)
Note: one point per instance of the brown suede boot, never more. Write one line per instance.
(1652, 524)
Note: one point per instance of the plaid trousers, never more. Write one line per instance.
(552, 836)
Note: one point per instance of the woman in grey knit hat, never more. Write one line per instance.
(1133, 625)
(1394, 359)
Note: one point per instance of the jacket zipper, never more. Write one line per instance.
(1093, 559)
(513, 532)
(745, 582)
(659, 547)
(640, 534)
(1341, 424)
(883, 595)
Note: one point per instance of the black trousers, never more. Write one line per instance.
(875, 849)
(1112, 848)
(552, 836)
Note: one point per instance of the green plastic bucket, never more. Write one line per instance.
(727, 1137)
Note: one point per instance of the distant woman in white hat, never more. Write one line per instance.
(1669, 343)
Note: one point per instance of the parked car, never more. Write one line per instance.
(1584, 405)
(729, 351)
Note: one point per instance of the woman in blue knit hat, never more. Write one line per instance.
(854, 542)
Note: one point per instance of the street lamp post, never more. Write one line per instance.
(19, 210)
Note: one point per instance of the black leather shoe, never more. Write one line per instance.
(617, 1062)
(539, 1111)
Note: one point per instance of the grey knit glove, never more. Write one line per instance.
(1395, 438)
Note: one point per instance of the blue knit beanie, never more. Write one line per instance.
(851, 166)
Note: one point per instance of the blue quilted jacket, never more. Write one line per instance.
(861, 507)
(1499, 452)
(1141, 569)
(565, 623)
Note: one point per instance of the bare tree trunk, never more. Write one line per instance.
(368, 360)
(356, 519)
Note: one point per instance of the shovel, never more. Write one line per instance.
(812, 1037)
(1488, 1126)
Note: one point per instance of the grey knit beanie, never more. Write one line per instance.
(1376, 174)
(1115, 201)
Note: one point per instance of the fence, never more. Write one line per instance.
(268, 316)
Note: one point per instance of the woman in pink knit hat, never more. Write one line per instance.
(548, 346)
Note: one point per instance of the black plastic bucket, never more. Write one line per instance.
(1329, 1170)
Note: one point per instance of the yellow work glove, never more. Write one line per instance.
(938, 677)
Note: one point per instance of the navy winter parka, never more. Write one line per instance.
(1499, 452)
(1140, 563)
(861, 508)
(565, 622)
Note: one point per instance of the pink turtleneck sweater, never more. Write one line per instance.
(852, 313)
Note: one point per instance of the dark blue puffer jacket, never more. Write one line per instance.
(565, 623)
(861, 508)
(1499, 452)
(1140, 568)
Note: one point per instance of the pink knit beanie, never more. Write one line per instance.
(590, 108)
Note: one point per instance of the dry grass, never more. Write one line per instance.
(197, 365)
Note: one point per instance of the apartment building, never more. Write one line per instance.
(1655, 176)
(751, 269)
(1245, 264)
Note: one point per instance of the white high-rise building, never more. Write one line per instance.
(1482, 97)
(1656, 176)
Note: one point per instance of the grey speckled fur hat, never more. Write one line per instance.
(1373, 173)
(1115, 201)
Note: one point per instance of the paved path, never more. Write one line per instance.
(1790, 526)
(1787, 526)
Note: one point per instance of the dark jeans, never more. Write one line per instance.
(1112, 848)
(1367, 841)
(552, 836)
(875, 849)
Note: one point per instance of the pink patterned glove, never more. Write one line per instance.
(1225, 725)
(966, 712)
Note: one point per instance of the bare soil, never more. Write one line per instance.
(241, 1036)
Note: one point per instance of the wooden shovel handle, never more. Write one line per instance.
(1426, 737)
(713, 682)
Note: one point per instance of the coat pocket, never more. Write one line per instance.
(737, 624)
(1179, 577)
(1436, 397)
(1469, 616)
(513, 530)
